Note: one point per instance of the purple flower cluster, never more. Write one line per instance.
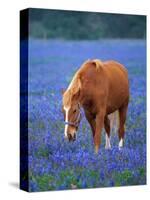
(55, 164)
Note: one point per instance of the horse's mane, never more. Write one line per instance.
(72, 89)
(75, 84)
(98, 63)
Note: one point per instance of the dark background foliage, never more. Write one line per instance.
(85, 25)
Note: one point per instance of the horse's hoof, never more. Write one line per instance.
(107, 147)
(120, 148)
(96, 149)
(120, 144)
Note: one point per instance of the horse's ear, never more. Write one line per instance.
(63, 91)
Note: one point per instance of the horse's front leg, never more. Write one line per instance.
(91, 121)
(98, 130)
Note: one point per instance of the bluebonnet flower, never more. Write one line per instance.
(53, 162)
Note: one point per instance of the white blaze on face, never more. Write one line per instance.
(66, 120)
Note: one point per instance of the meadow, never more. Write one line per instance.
(54, 163)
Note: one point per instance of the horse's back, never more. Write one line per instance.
(114, 68)
(115, 73)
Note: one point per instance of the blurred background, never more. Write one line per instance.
(75, 25)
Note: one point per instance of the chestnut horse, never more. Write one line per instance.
(101, 88)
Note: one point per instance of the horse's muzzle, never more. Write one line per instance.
(71, 138)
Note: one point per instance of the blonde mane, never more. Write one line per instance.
(72, 89)
(98, 63)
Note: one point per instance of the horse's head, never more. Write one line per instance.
(72, 118)
(71, 109)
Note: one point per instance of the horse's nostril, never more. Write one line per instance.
(71, 138)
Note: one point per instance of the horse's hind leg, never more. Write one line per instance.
(122, 119)
(107, 129)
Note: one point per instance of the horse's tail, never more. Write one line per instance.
(114, 121)
(98, 63)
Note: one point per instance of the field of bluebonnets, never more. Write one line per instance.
(55, 164)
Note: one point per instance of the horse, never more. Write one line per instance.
(100, 88)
